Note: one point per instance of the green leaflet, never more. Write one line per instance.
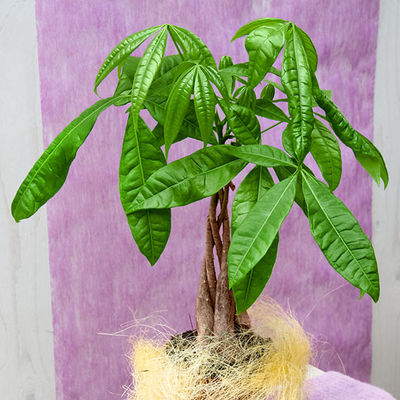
(170, 68)
(228, 79)
(130, 66)
(247, 98)
(263, 46)
(123, 87)
(340, 237)
(146, 71)
(189, 128)
(244, 124)
(214, 76)
(50, 171)
(263, 155)
(177, 106)
(237, 70)
(204, 105)
(248, 290)
(297, 82)
(192, 46)
(168, 63)
(163, 80)
(162, 86)
(251, 26)
(141, 157)
(284, 173)
(252, 188)
(268, 92)
(121, 52)
(326, 152)
(287, 140)
(309, 47)
(267, 109)
(365, 152)
(328, 93)
(257, 182)
(225, 62)
(256, 233)
(189, 179)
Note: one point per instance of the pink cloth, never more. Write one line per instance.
(335, 386)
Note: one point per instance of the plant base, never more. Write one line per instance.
(230, 367)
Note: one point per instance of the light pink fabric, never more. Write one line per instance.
(335, 386)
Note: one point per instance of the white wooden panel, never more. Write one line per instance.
(386, 204)
(26, 340)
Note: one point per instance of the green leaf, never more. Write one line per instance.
(130, 66)
(189, 128)
(204, 105)
(177, 106)
(50, 171)
(170, 68)
(365, 152)
(192, 46)
(141, 157)
(326, 152)
(168, 63)
(257, 182)
(162, 86)
(121, 52)
(263, 155)
(287, 140)
(309, 47)
(214, 76)
(123, 87)
(297, 82)
(284, 173)
(244, 124)
(189, 179)
(267, 109)
(328, 93)
(340, 237)
(237, 70)
(268, 92)
(252, 188)
(247, 98)
(263, 46)
(259, 229)
(146, 71)
(251, 26)
(247, 291)
(225, 62)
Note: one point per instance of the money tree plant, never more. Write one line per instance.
(189, 96)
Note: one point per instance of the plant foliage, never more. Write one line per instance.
(188, 96)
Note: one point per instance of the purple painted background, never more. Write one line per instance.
(99, 279)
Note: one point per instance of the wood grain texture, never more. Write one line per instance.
(386, 204)
(26, 340)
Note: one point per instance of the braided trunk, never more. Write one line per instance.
(215, 305)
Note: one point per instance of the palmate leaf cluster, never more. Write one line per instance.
(188, 96)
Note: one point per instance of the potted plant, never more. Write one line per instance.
(188, 96)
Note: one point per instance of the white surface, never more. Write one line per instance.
(26, 340)
(386, 204)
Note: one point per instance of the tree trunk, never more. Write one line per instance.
(215, 305)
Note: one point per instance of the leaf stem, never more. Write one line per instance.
(280, 100)
(272, 126)
(177, 47)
